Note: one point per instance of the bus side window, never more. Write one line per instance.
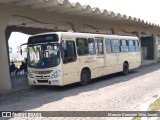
(124, 46)
(91, 46)
(131, 45)
(68, 51)
(115, 43)
(82, 46)
(137, 45)
(108, 45)
(100, 46)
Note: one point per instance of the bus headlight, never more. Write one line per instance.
(30, 75)
(57, 74)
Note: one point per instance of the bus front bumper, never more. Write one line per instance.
(51, 81)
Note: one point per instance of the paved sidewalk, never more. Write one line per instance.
(19, 82)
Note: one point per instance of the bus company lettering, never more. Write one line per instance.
(89, 60)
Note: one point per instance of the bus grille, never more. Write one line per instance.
(42, 81)
(43, 72)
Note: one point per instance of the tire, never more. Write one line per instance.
(85, 78)
(125, 68)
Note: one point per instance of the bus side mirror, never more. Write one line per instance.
(21, 51)
(21, 48)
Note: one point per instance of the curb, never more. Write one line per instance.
(145, 107)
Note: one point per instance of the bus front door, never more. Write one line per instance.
(70, 66)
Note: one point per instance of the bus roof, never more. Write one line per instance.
(74, 34)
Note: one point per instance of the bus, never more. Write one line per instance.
(61, 58)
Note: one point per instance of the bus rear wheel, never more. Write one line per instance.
(85, 77)
(125, 68)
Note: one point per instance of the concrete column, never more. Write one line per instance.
(138, 34)
(5, 82)
(7, 35)
(112, 30)
(5, 15)
(76, 27)
(155, 47)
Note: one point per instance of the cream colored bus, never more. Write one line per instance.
(61, 58)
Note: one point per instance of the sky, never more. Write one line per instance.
(16, 39)
(147, 10)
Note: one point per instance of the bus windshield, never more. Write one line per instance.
(44, 55)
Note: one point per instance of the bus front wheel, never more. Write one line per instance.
(125, 68)
(85, 77)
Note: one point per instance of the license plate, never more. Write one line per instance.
(55, 81)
